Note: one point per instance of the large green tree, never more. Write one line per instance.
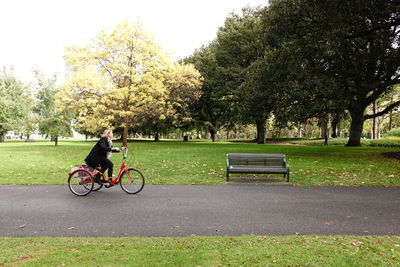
(214, 107)
(55, 128)
(240, 51)
(51, 122)
(354, 44)
(13, 102)
(232, 92)
(45, 90)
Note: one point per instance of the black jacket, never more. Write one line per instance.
(98, 152)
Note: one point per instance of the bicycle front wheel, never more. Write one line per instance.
(132, 181)
(80, 182)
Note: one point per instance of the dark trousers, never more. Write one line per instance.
(106, 164)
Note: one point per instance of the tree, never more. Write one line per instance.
(354, 44)
(183, 83)
(133, 68)
(46, 90)
(80, 98)
(184, 90)
(241, 51)
(13, 100)
(214, 107)
(55, 128)
(28, 124)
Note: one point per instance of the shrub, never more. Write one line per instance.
(393, 133)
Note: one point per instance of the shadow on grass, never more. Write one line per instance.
(258, 179)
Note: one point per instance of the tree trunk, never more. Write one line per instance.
(260, 124)
(300, 131)
(205, 134)
(357, 123)
(334, 125)
(56, 141)
(2, 137)
(157, 137)
(198, 135)
(378, 128)
(125, 136)
(324, 129)
(213, 134)
(374, 122)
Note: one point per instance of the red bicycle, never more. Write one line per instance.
(81, 179)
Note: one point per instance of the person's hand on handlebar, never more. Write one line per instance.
(124, 148)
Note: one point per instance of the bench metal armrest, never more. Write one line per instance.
(286, 164)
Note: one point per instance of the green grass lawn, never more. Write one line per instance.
(202, 162)
(202, 251)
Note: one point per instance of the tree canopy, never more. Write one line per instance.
(14, 98)
(120, 79)
(348, 52)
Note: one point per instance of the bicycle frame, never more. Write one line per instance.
(122, 169)
(131, 180)
(112, 182)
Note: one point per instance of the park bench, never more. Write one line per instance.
(256, 163)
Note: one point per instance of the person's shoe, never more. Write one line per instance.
(108, 183)
(97, 178)
(111, 178)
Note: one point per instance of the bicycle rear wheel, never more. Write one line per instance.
(80, 182)
(132, 181)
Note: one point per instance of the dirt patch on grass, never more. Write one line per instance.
(391, 155)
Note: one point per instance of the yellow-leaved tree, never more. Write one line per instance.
(117, 79)
(183, 88)
(80, 98)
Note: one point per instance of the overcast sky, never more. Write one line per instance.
(35, 32)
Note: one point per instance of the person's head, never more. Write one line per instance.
(108, 133)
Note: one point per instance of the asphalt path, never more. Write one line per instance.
(182, 210)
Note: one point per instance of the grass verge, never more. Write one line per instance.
(203, 251)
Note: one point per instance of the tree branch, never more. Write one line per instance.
(383, 112)
(382, 88)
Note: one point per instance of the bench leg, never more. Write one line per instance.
(288, 176)
(227, 176)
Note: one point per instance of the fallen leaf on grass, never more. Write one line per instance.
(357, 243)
